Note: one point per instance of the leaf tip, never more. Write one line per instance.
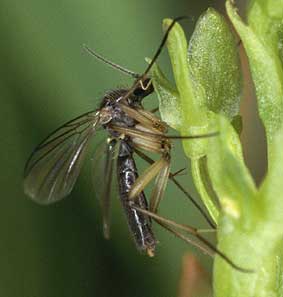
(166, 23)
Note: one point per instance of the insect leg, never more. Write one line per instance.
(178, 172)
(169, 224)
(149, 145)
(146, 177)
(143, 140)
(150, 134)
(160, 186)
(181, 188)
(146, 119)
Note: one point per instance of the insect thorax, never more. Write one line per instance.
(112, 113)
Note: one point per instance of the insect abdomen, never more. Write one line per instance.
(139, 224)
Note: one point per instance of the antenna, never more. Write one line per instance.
(164, 39)
(141, 77)
(110, 63)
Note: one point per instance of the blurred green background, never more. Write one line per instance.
(46, 80)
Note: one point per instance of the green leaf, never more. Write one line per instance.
(235, 188)
(193, 115)
(280, 43)
(262, 39)
(169, 99)
(250, 223)
(210, 81)
(204, 187)
(230, 177)
(254, 239)
(215, 65)
(272, 188)
(215, 70)
(208, 78)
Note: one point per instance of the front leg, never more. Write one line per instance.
(147, 176)
(159, 169)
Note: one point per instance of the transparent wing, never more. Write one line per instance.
(104, 164)
(52, 169)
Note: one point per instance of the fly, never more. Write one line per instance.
(53, 168)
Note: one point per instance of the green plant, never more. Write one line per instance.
(206, 98)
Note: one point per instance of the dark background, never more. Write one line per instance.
(47, 79)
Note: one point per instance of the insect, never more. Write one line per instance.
(52, 169)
